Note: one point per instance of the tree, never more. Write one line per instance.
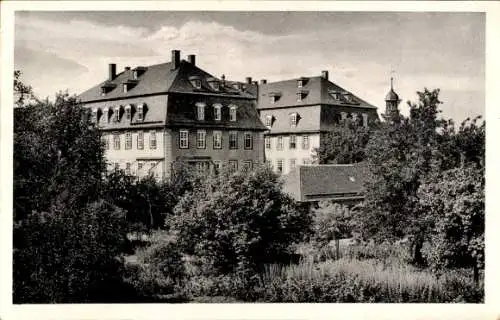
(22, 93)
(455, 201)
(400, 155)
(344, 144)
(238, 222)
(67, 241)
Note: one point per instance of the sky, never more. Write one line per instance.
(71, 50)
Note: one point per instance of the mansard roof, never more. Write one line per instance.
(160, 78)
(315, 91)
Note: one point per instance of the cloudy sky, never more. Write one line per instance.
(71, 50)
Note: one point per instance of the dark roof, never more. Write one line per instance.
(326, 181)
(160, 78)
(392, 96)
(316, 90)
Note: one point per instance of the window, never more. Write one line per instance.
(217, 166)
(293, 120)
(184, 139)
(140, 164)
(217, 135)
(200, 139)
(127, 168)
(105, 141)
(300, 83)
(279, 165)
(217, 112)
(248, 141)
(269, 163)
(202, 167)
(116, 141)
(197, 83)
(272, 99)
(116, 114)
(232, 113)
(279, 144)
(233, 165)
(365, 120)
(140, 112)
(269, 120)
(135, 75)
(94, 116)
(215, 85)
(140, 140)
(105, 113)
(306, 161)
(128, 140)
(125, 87)
(293, 142)
(152, 140)
(299, 96)
(292, 164)
(305, 142)
(233, 140)
(267, 141)
(247, 164)
(128, 112)
(200, 111)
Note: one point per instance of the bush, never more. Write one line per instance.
(238, 222)
(160, 270)
(68, 256)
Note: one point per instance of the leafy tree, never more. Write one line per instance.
(455, 201)
(67, 242)
(238, 222)
(22, 93)
(331, 221)
(401, 154)
(344, 144)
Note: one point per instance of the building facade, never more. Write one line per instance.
(297, 112)
(152, 117)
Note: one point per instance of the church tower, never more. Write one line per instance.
(391, 104)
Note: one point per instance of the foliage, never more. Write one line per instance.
(344, 144)
(455, 200)
(237, 222)
(160, 270)
(23, 93)
(54, 146)
(68, 254)
(330, 221)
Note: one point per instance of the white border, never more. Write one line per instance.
(256, 311)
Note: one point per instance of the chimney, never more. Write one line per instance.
(112, 71)
(324, 74)
(176, 59)
(192, 59)
(263, 81)
(249, 80)
(127, 68)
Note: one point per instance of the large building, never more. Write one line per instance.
(297, 112)
(154, 116)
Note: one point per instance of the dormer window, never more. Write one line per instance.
(232, 113)
(348, 97)
(214, 83)
(200, 111)
(128, 112)
(269, 120)
(128, 85)
(195, 81)
(125, 87)
(335, 95)
(137, 72)
(274, 96)
(217, 112)
(107, 87)
(116, 114)
(301, 94)
(140, 112)
(293, 119)
(301, 82)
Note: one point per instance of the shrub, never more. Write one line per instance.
(239, 222)
(68, 256)
(160, 270)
